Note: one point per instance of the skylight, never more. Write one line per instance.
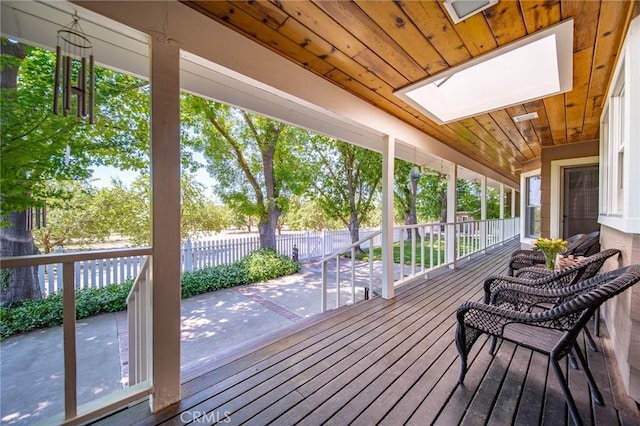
(531, 68)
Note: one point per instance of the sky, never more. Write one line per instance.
(102, 176)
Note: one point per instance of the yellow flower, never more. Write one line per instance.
(550, 247)
(550, 244)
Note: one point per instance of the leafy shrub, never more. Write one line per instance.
(261, 265)
(266, 263)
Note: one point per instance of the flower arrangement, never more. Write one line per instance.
(550, 247)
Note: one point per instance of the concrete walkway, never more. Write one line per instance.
(31, 364)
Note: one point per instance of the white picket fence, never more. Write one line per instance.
(197, 255)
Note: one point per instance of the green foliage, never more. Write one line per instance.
(34, 314)
(80, 218)
(266, 263)
(305, 213)
(34, 140)
(250, 157)
(344, 178)
(432, 198)
(438, 249)
(261, 265)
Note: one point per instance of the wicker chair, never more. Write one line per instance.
(552, 332)
(577, 245)
(536, 277)
(543, 278)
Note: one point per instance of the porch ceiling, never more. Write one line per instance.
(371, 49)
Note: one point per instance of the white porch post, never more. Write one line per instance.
(388, 158)
(452, 208)
(512, 227)
(483, 213)
(165, 208)
(501, 213)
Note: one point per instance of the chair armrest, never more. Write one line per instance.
(524, 258)
(494, 281)
(533, 272)
(474, 319)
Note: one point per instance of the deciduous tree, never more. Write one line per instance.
(38, 148)
(345, 178)
(250, 158)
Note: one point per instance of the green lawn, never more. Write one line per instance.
(438, 249)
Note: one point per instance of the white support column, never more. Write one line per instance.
(388, 159)
(165, 238)
(452, 208)
(501, 212)
(513, 203)
(483, 213)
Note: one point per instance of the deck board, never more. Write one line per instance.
(391, 362)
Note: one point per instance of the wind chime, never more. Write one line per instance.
(36, 218)
(73, 77)
(74, 54)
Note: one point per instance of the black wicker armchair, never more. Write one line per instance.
(552, 332)
(577, 245)
(542, 278)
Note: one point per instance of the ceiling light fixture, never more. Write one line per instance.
(459, 10)
(525, 117)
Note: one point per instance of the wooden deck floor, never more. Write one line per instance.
(391, 362)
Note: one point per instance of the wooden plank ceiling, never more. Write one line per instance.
(371, 48)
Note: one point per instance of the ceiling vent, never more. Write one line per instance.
(459, 10)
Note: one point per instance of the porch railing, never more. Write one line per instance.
(74, 414)
(430, 246)
(139, 316)
(351, 252)
(195, 254)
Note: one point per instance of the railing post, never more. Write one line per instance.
(41, 280)
(483, 214)
(353, 275)
(308, 255)
(413, 251)
(370, 268)
(338, 281)
(401, 254)
(69, 339)
(452, 207)
(502, 213)
(323, 306)
(323, 245)
(188, 261)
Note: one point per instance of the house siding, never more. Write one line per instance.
(549, 154)
(622, 314)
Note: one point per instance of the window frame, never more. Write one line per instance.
(620, 140)
(525, 177)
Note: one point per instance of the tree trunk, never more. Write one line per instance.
(411, 217)
(267, 227)
(269, 221)
(18, 284)
(354, 229)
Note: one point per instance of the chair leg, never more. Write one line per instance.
(590, 341)
(596, 323)
(595, 392)
(492, 345)
(573, 409)
(572, 361)
(460, 346)
(463, 369)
